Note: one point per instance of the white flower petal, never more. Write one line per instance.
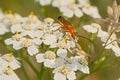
(17, 45)
(37, 41)
(32, 50)
(68, 14)
(44, 2)
(54, 45)
(71, 76)
(50, 39)
(40, 58)
(31, 34)
(59, 62)
(71, 44)
(9, 41)
(78, 13)
(16, 28)
(56, 70)
(49, 63)
(102, 34)
(14, 64)
(63, 9)
(92, 11)
(116, 50)
(12, 76)
(62, 53)
(59, 76)
(39, 33)
(3, 63)
(84, 69)
(90, 28)
(83, 2)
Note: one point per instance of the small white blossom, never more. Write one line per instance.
(111, 43)
(83, 3)
(64, 72)
(16, 41)
(93, 28)
(32, 48)
(8, 63)
(49, 39)
(80, 63)
(8, 74)
(62, 53)
(11, 61)
(17, 19)
(16, 28)
(8, 19)
(48, 58)
(30, 26)
(66, 43)
(71, 9)
(29, 29)
(49, 21)
(92, 11)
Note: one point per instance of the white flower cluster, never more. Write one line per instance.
(110, 41)
(8, 63)
(69, 8)
(61, 51)
(109, 37)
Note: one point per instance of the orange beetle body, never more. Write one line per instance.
(66, 26)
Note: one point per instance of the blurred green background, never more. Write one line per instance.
(24, 7)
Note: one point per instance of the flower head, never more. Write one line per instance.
(48, 58)
(8, 63)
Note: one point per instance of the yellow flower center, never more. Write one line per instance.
(42, 27)
(72, 6)
(28, 27)
(9, 57)
(33, 18)
(49, 20)
(64, 70)
(50, 55)
(82, 60)
(17, 37)
(27, 43)
(15, 20)
(8, 71)
(63, 43)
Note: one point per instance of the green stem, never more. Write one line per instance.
(99, 56)
(25, 57)
(90, 44)
(24, 71)
(41, 72)
(98, 68)
(30, 64)
(50, 74)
